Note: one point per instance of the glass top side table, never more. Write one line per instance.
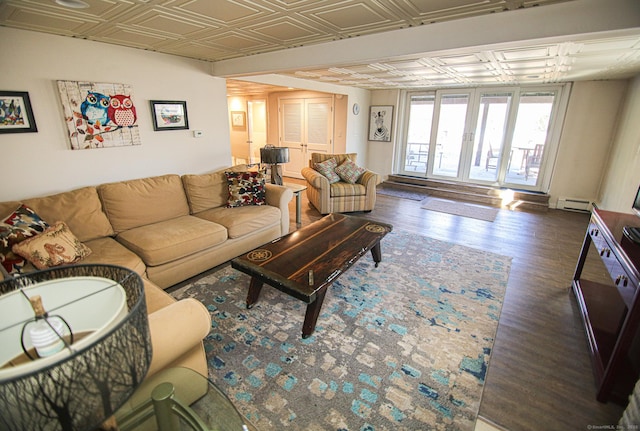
(187, 401)
(297, 189)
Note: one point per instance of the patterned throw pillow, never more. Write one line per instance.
(349, 171)
(22, 224)
(326, 168)
(55, 246)
(245, 188)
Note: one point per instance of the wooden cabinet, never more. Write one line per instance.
(610, 306)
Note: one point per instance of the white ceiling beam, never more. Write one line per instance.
(558, 22)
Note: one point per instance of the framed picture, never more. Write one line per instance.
(16, 115)
(238, 119)
(168, 115)
(380, 121)
(99, 114)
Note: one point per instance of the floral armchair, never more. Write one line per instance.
(335, 183)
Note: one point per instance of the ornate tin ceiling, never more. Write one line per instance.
(217, 30)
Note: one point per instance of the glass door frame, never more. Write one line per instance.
(505, 145)
(554, 129)
(466, 127)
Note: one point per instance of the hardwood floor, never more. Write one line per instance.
(540, 375)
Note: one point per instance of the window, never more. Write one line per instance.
(499, 137)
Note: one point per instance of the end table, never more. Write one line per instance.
(297, 189)
(183, 390)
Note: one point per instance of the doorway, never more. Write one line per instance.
(256, 128)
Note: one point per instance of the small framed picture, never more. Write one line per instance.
(238, 119)
(16, 115)
(380, 121)
(169, 115)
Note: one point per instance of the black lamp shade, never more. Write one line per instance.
(274, 155)
(87, 386)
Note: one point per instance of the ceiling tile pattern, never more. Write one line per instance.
(559, 62)
(224, 29)
(214, 30)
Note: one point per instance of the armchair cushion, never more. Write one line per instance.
(349, 171)
(327, 169)
(339, 158)
(343, 189)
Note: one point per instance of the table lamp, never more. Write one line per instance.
(273, 156)
(102, 361)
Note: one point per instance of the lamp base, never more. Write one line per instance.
(276, 174)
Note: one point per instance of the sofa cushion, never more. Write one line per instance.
(8, 207)
(245, 188)
(57, 245)
(210, 190)
(80, 209)
(243, 220)
(16, 227)
(110, 252)
(349, 172)
(327, 169)
(134, 203)
(342, 189)
(168, 240)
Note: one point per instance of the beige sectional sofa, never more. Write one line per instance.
(167, 229)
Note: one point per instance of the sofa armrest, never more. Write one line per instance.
(176, 329)
(368, 179)
(315, 179)
(279, 197)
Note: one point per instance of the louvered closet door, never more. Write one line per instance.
(306, 127)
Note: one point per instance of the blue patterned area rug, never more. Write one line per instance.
(404, 346)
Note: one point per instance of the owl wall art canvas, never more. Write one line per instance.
(99, 115)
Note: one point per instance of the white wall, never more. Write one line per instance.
(35, 164)
(587, 138)
(622, 177)
(381, 155)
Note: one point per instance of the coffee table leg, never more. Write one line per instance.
(311, 316)
(254, 292)
(376, 252)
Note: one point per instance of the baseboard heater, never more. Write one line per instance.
(571, 204)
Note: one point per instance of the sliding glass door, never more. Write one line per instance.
(489, 136)
(499, 137)
(530, 136)
(419, 133)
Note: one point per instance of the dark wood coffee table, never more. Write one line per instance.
(304, 263)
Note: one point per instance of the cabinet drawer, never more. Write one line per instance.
(623, 280)
(598, 239)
